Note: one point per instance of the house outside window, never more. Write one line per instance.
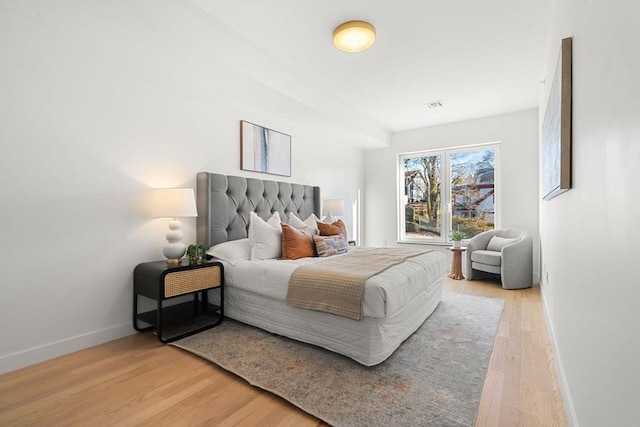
(445, 190)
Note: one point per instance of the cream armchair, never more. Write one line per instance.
(507, 252)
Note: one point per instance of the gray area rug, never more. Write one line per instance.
(434, 378)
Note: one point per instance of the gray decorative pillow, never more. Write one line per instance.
(497, 243)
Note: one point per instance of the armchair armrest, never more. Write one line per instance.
(517, 263)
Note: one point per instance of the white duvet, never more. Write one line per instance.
(384, 293)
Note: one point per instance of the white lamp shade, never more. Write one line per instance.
(333, 207)
(173, 203)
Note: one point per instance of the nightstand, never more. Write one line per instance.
(161, 282)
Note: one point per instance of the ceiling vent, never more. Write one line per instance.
(434, 104)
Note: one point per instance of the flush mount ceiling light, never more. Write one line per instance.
(354, 36)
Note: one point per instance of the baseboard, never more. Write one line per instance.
(13, 361)
(572, 419)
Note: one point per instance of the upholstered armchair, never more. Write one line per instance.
(507, 252)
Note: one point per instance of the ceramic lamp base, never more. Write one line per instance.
(175, 249)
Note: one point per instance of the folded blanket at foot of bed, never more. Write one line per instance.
(336, 285)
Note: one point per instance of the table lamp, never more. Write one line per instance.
(332, 207)
(174, 203)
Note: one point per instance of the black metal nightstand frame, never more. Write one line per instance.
(160, 282)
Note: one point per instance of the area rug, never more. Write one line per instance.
(434, 378)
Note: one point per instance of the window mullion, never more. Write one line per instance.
(446, 196)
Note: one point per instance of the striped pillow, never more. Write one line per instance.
(330, 245)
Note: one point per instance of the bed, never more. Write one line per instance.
(395, 302)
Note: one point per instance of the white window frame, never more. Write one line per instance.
(445, 191)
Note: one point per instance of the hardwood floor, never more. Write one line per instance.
(137, 381)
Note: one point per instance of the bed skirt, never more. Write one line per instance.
(368, 341)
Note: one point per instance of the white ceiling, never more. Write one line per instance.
(480, 58)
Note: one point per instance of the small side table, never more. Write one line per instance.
(161, 282)
(456, 263)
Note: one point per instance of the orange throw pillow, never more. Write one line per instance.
(296, 242)
(332, 229)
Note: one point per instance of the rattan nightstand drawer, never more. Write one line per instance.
(187, 281)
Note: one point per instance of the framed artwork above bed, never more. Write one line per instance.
(264, 150)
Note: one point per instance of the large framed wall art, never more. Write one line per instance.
(264, 150)
(556, 129)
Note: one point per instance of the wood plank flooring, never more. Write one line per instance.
(137, 381)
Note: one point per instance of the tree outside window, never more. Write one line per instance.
(447, 190)
(423, 185)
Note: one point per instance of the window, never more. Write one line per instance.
(445, 190)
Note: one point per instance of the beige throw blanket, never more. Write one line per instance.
(336, 285)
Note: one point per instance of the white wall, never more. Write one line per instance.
(518, 137)
(101, 101)
(589, 235)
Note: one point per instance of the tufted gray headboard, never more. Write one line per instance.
(224, 203)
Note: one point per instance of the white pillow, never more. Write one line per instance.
(311, 222)
(231, 251)
(497, 243)
(329, 219)
(265, 238)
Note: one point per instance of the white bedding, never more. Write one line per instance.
(384, 293)
(396, 302)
